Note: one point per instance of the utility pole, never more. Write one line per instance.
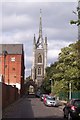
(70, 87)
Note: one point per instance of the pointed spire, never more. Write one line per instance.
(40, 25)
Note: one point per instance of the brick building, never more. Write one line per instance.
(12, 65)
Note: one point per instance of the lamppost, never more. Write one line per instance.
(4, 54)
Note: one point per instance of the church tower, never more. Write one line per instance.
(39, 56)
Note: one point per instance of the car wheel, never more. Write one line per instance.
(69, 117)
(64, 115)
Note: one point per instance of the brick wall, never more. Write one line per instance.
(9, 95)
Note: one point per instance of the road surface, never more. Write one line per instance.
(32, 107)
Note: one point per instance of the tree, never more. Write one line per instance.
(69, 65)
(65, 70)
(46, 85)
(77, 13)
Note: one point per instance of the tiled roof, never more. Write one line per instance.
(11, 48)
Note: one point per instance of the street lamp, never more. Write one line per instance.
(4, 54)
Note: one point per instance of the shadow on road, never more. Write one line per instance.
(22, 109)
(31, 96)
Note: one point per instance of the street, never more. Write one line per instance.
(32, 107)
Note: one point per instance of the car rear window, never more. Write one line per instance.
(77, 103)
(50, 98)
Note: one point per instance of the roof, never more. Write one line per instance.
(11, 48)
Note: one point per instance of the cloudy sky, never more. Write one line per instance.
(20, 21)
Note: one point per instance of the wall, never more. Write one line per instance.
(9, 95)
(14, 70)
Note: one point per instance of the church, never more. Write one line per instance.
(39, 57)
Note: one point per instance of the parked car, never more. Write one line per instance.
(50, 101)
(72, 109)
(38, 93)
(42, 96)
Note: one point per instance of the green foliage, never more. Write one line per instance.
(69, 62)
(46, 86)
(65, 70)
(75, 22)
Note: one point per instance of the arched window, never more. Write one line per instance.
(39, 71)
(39, 58)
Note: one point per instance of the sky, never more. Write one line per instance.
(20, 21)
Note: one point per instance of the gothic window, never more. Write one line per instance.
(39, 58)
(39, 71)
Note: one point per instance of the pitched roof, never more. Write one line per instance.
(11, 48)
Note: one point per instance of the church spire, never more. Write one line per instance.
(40, 38)
(40, 25)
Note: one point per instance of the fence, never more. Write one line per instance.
(9, 95)
(65, 95)
(76, 94)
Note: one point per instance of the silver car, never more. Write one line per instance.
(51, 101)
(43, 96)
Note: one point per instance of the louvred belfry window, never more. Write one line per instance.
(39, 71)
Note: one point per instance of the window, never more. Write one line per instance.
(39, 71)
(39, 58)
(13, 59)
(5, 66)
(13, 69)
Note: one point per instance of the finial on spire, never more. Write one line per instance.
(40, 26)
(40, 12)
(40, 39)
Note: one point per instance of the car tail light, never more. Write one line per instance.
(73, 108)
(45, 99)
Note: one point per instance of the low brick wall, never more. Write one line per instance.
(9, 95)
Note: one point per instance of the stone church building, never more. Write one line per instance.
(39, 56)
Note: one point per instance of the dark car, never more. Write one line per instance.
(38, 93)
(72, 109)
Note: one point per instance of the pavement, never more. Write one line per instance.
(63, 102)
(9, 107)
